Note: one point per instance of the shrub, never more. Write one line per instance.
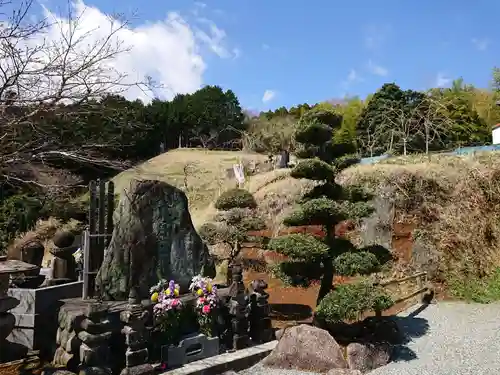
(349, 301)
(18, 213)
(235, 198)
(359, 263)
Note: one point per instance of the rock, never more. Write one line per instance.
(153, 238)
(57, 372)
(366, 357)
(306, 348)
(343, 371)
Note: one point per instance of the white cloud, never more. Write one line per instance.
(377, 69)
(353, 76)
(375, 36)
(168, 50)
(215, 39)
(268, 96)
(236, 53)
(442, 80)
(481, 44)
(351, 79)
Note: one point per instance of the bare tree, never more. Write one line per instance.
(426, 120)
(372, 139)
(49, 68)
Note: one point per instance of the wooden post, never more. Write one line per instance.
(110, 211)
(92, 239)
(101, 222)
(86, 264)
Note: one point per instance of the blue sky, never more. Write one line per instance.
(311, 51)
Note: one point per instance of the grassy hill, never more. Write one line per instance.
(448, 207)
(442, 216)
(202, 175)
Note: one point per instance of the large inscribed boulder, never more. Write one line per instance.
(153, 238)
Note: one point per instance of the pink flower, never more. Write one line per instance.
(202, 300)
(175, 302)
(206, 309)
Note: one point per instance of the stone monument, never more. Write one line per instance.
(153, 238)
(238, 309)
(261, 329)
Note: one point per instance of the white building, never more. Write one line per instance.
(495, 134)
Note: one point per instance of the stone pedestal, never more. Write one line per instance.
(83, 336)
(7, 319)
(261, 330)
(136, 339)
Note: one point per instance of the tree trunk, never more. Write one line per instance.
(326, 280)
(328, 271)
(404, 146)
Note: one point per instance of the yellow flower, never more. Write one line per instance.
(167, 292)
(154, 297)
(209, 288)
(176, 292)
(199, 292)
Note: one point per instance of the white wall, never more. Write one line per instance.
(495, 135)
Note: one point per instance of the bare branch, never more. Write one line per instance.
(50, 69)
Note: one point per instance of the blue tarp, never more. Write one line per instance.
(458, 151)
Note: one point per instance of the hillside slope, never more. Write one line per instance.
(201, 174)
(440, 215)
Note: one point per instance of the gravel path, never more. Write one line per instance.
(461, 339)
(447, 338)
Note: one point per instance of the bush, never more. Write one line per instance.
(209, 232)
(349, 301)
(358, 263)
(235, 198)
(18, 213)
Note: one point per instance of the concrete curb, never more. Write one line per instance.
(236, 361)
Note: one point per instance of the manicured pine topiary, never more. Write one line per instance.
(327, 204)
(236, 218)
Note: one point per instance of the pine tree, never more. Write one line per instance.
(327, 204)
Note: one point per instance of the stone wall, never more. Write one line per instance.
(86, 335)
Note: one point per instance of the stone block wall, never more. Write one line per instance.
(84, 335)
(36, 314)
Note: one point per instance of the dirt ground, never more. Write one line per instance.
(291, 305)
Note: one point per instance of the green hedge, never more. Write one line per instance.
(349, 301)
(235, 198)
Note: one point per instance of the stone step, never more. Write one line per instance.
(235, 361)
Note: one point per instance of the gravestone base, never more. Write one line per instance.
(36, 313)
(192, 348)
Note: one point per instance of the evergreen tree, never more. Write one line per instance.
(327, 204)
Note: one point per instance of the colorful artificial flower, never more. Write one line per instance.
(154, 297)
(206, 303)
(167, 308)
